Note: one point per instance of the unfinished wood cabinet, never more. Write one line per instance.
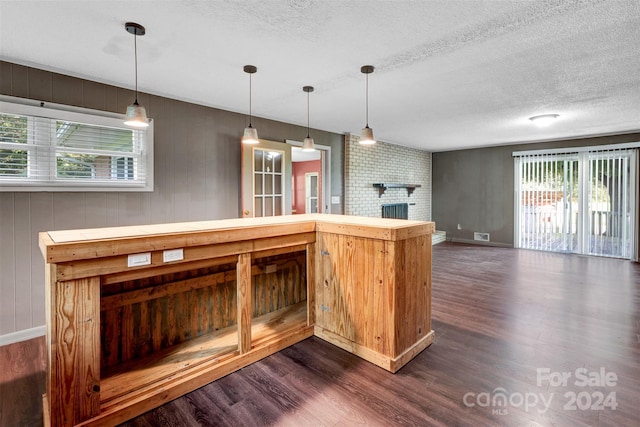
(137, 316)
(373, 292)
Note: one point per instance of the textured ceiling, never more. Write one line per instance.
(449, 74)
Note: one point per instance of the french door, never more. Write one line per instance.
(582, 202)
(311, 192)
(266, 179)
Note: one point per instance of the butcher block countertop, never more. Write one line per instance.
(69, 245)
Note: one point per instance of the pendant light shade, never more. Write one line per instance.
(366, 137)
(136, 115)
(308, 144)
(250, 133)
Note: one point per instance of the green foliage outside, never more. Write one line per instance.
(76, 137)
(13, 129)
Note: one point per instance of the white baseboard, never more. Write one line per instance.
(25, 334)
(481, 243)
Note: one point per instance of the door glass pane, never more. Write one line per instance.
(257, 160)
(314, 186)
(277, 163)
(258, 206)
(549, 195)
(277, 184)
(278, 205)
(268, 206)
(258, 184)
(314, 205)
(610, 213)
(268, 184)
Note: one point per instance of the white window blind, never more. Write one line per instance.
(49, 149)
(578, 200)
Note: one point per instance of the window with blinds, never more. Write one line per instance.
(49, 149)
(581, 201)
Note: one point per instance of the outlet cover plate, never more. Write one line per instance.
(173, 255)
(136, 260)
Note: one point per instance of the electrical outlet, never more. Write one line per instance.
(136, 260)
(173, 255)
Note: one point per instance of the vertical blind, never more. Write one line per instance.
(547, 201)
(579, 202)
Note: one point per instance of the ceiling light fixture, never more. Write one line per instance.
(544, 119)
(308, 144)
(250, 133)
(366, 138)
(136, 115)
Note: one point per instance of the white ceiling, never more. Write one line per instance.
(449, 74)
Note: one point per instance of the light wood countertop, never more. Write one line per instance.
(68, 245)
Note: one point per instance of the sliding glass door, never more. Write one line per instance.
(548, 203)
(579, 202)
(609, 205)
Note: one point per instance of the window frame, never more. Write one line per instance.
(38, 111)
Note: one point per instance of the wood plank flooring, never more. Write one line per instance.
(499, 314)
(22, 382)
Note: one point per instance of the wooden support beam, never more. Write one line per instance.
(74, 357)
(245, 309)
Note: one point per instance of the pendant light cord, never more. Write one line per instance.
(308, 136)
(135, 50)
(249, 99)
(367, 98)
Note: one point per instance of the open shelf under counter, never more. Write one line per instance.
(159, 368)
(181, 366)
(270, 326)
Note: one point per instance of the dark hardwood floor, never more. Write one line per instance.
(508, 324)
(22, 382)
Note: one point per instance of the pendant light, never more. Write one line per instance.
(366, 138)
(308, 144)
(250, 133)
(136, 115)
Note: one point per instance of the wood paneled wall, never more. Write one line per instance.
(197, 177)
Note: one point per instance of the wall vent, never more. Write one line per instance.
(483, 237)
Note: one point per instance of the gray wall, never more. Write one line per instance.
(197, 177)
(475, 188)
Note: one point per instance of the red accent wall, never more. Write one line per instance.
(299, 169)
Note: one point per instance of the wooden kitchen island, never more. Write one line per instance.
(138, 316)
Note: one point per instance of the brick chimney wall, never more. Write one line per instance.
(386, 163)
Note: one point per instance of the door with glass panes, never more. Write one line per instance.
(266, 179)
